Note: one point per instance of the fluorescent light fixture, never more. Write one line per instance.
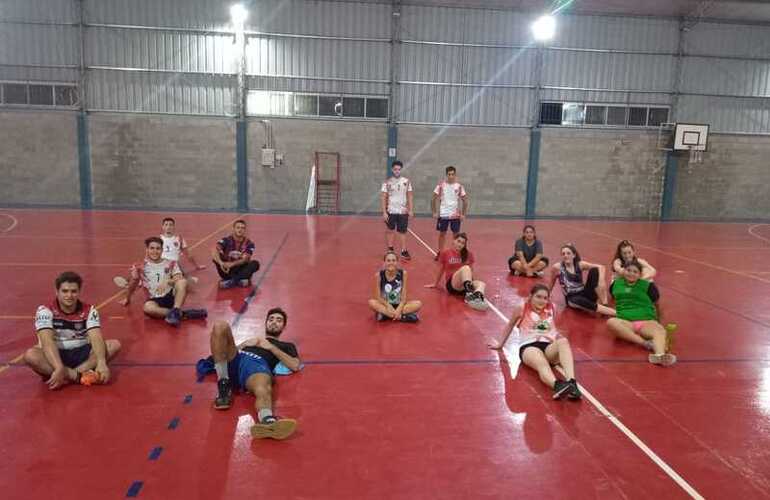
(544, 28)
(239, 14)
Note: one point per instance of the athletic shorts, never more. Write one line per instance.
(244, 365)
(451, 289)
(586, 299)
(399, 222)
(73, 358)
(516, 257)
(167, 301)
(443, 224)
(638, 325)
(539, 345)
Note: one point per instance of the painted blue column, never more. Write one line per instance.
(241, 166)
(669, 186)
(392, 147)
(532, 171)
(84, 162)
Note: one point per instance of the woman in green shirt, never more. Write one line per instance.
(637, 314)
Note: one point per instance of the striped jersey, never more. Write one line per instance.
(70, 330)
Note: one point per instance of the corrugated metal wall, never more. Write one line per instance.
(457, 66)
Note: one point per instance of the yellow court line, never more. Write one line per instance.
(115, 296)
(677, 256)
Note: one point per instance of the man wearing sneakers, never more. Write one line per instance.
(166, 286)
(250, 366)
(70, 345)
(397, 207)
(232, 257)
(446, 206)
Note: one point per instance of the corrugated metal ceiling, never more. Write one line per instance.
(737, 10)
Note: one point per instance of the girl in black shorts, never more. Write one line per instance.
(541, 345)
(585, 296)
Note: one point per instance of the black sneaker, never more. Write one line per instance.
(560, 389)
(391, 249)
(174, 317)
(409, 318)
(194, 314)
(405, 255)
(574, 390)
(224, 398)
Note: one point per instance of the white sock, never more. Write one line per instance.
(263, 413)
(221, 369)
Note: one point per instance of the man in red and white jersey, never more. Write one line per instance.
(174, 245)
(396, 199)
(166, 286)
(446, 206)
(70, 345)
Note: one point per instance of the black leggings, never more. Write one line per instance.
(242, 272)
(586, 299)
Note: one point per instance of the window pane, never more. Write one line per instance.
(306, 105)
(41, 95)
(550, 113)
(329, 105)
(15, 93)
(595, 115)
(637, 117)
(66, 95)
(572, 114)
(258, 102)
(353, 106)
(616, 115)
(658, 116)
(376, 108)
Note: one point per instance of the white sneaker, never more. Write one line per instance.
(665, 359)
(120, 282)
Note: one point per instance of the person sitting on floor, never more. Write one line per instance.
(166, 286)
(456, 264)
(577, 294)
(541, 345)
(389, 293)
(528, 259)
(70, 347)
(232, 257)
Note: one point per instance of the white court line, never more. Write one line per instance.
(751, 232)
(14, 223)
(604, 411)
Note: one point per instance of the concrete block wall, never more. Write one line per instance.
(39, 158)
(491, 164)
(162, 161)
(733, 182)
(363, 152)
(600, 173)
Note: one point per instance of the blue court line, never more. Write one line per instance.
(134, 489)
(174, 423)
(261, 278)
(155, 453)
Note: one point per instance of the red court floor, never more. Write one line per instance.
(389, 410)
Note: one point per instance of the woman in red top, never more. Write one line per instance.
(456, 263)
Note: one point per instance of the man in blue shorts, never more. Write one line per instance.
(448, 197)
(250, 366)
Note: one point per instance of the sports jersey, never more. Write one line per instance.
(70, 330)
(571, 282)
(635, 302)
(451, 260)
(172, 246)
(449, 195)
(391, 290)
(397, 188)
(231, 250)
(537, 326)
(155, 276)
